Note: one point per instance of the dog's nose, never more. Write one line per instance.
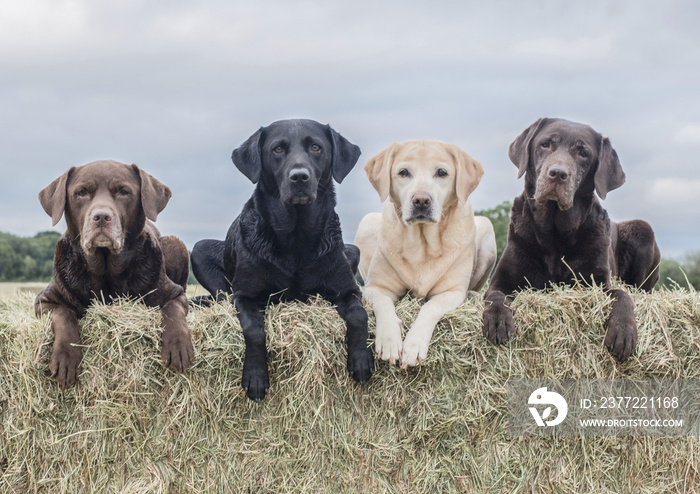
(421, 200)
(558, 173)
(299, 175)
(102, 216)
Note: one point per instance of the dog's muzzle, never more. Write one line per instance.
(101, 229)
(421, 207)
(556, 183)
(301, 199)
(299, 187)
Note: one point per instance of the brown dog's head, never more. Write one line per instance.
(563, 159)
(422, 177)
(104, 203)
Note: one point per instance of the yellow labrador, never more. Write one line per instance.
(426, 241)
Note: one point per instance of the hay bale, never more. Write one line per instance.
(131, 425)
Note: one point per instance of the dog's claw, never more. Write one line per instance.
(360, 364)
(255, 381)
(498, 324)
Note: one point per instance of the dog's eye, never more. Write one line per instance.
(583, 153)
(81, 192)
(545, 144)
(404, 173)
(278, 150)
(315, 148)
(441, 172)
(124, 192)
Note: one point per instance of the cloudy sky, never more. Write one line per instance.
(175, 86)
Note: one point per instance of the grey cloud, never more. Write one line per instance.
(175, 87)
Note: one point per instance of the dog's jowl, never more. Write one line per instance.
(559, 232)
(286, 244)
(111, 249)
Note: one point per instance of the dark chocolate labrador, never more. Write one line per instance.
(558, 229)
(111, 249)
(287, 243)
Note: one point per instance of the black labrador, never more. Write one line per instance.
(287, 243)
(558, 228)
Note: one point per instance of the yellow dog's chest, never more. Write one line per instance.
(419, 271)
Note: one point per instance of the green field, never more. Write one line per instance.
(8, 289)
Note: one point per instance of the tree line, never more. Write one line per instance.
(27, 258)
(31, 258)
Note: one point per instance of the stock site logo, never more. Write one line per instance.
(543, 397)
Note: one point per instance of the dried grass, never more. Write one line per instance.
(132, 426)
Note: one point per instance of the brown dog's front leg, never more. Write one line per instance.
(621, 338)
(498, 325)
(66, 353)
(178, 352)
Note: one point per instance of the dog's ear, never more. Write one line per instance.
(154, 194)
(468, 172)
(609, 175)
(519, 150)
(345, 155)
(378, 169)
(247, 157)
(53, 197)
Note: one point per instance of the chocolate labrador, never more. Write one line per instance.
(287, 244)
(559, 232)
(111, 249)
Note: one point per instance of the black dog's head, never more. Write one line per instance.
(292, 158)
(563, 159)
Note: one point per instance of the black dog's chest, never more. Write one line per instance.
(284, 266)
(295, 279)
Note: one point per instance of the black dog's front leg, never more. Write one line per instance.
(360, 358)
(255, 379)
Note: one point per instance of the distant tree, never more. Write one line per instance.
(685, 273)
(691, 267)
(10, 262)
(500, 218)
(27, 258)
(191, 280)
(670, 273)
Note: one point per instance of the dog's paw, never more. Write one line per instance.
(387, 342)
(65, 359)
(360, 364)
(621, 338)
(415, 350)
(255, 381)
(178, 352)
(498, 325)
